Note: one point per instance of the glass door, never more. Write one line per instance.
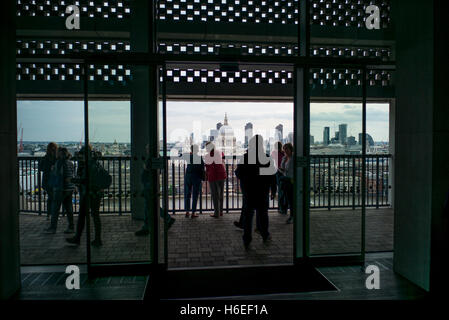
(125, 123)
(335, 182)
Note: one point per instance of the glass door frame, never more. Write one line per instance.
(302, 162)
(153, 265)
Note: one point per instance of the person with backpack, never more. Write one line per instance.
(63, 188)
(99, 179)
(45, 166)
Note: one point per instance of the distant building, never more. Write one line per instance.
(219, 125)
(226, 141)
(248, 133)
(337, 137)
(312, 140)
(279, 133)
(326, 136)
(290, 137)
(343, 133)
(350, 141)
(369, 140)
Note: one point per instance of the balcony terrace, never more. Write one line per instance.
(335, 219)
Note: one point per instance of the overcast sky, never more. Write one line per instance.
(110, 120)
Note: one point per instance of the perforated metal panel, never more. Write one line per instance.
(351, 52)
(322, 77)
(31, 47)
(113, 74)
(281, 14)
(119, 9)
(347, 13)
(224, 48)
(242, 11)
(272, 50)
(235, 77)
(319, 77)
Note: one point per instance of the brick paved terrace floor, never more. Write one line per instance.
(206, 241)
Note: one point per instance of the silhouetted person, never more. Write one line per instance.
(256, 173)
(287, 177)
(278, 154)
(216, 176)
(45, 166)
(94, 198)
(147, 192)
(193, 180)
(62, 191)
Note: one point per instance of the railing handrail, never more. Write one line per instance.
(333, 177)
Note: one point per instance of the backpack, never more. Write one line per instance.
(100, 178)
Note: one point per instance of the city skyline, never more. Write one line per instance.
(110, 120)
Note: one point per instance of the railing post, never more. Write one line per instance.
(227, 187)
(201, 197)
(377, 182)
(120, 186)
(353, 183)
(329, 184)
(39, 186)
(173, 186)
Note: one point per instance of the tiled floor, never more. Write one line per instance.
(350, 282)
(48, 283)
(206, 241)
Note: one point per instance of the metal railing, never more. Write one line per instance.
(33, 198)
(335, 182)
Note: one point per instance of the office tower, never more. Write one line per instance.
(248, 133)
(369, 140)
(326, 136)
(278, 135)
(343, 130)
(312, 140)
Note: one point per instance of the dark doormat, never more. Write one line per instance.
(203, 283)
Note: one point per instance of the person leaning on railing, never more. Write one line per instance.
(286, 169)
(277, 155)
(45, 166)
(193, 179)
(216, 176)
(62, 192)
